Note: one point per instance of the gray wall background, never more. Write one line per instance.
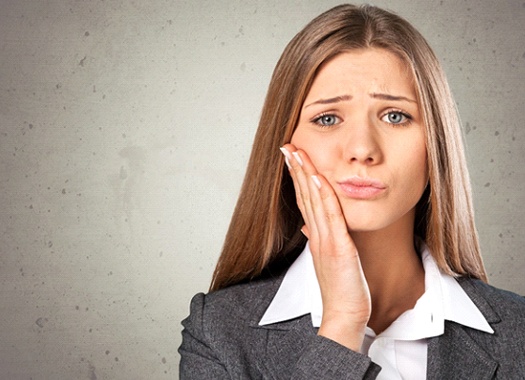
(125, 128)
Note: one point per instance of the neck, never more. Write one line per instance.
(393, 271)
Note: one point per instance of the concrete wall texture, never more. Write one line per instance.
(125, 127)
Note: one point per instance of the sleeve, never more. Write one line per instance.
(327, 359)
(198, 361)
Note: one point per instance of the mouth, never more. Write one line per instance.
(362, 188)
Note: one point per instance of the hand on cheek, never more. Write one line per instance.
(345, 293)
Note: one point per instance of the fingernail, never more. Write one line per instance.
(316, 181)
(285, 152)
(287, 157)
(287, 161)
(297, 158)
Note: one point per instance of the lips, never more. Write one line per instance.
(362, 188)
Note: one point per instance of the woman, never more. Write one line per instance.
(353, 254)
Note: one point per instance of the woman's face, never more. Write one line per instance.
(363, 130)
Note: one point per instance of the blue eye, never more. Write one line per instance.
(396, 118)
(327, 120)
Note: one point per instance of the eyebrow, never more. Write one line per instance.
(391, 97)
(337, 99)
(374, 95)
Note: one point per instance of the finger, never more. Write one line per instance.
(302, 190)
(305, 231)
(329, 218)
(325, 211)
(288, 158)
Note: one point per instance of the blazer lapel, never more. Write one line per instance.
(278, 346)
(285, 342)
(456, 354)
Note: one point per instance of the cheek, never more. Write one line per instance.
(299, 138)
(408, 165)
(305, 142)
(417, 168)
(320, 149)
(421, 159)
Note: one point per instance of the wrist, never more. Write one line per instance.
(343, 331)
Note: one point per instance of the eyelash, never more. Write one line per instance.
(403, 114)
(317, 120)
(408, 119)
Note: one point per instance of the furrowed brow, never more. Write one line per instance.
(336, 99)
(391, 97)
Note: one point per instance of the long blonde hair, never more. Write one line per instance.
(265, 227)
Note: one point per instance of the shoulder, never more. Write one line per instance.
(220, 335)
(245, 300)
(503, 301)
(249, 299)
(232, 310)
(504, 310)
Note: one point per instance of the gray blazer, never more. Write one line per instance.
(222, 340)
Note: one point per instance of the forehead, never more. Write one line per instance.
(369, 70)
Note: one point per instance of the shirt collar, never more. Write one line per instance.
(444, 299)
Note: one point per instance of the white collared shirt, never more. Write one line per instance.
(401, 350)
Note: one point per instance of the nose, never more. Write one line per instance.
(362, 144)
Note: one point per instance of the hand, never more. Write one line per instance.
(344, 290)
